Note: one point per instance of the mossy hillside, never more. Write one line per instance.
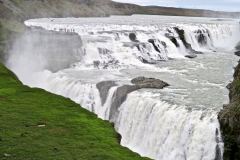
(35, 124)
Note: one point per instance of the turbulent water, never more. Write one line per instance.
(176, 123)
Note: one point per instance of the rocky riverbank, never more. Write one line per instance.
(229, 119)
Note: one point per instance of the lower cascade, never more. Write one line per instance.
(159, 80)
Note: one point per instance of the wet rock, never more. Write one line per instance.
(143, 82)
(160, 47)
(119, 97)
(191, 56)
(133, 37)
(145, 54)
(238, 46)
(152, 41)
(188, 46)
(196, 52)
(173, 39)
(201, 36)
(121, 93)
(103, 88)
(237, 53)
(181, 34)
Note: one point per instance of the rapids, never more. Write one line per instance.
(176, 123)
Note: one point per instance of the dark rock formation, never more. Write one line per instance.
(133, 37)
(119, 97)
(121, 93)
(237, 49)
(174, 40)
(145, 57)
(238, 46)
(191, 56)
(104, 88)
(188, 46)
(143, 82)
(229, 119)
(201, 36)
(159, 46)
(237, 53)
(181, 34)
(154, 45)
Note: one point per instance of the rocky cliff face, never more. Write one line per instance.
(229, 119)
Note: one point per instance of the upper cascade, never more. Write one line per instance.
(110, 46)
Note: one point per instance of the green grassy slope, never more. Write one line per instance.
(37, 125)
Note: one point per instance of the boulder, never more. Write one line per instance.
(143, 82)
(133, 37)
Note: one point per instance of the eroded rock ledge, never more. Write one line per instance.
(237, 52)
(229, 119)
(121, 92)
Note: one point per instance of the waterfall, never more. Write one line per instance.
(71, 56)
(160, 130)
(109, 45)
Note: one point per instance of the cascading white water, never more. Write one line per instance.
(158, 129)
(108, 45)
(176, 123)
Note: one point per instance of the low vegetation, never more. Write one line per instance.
(35, 124)
(229, 119)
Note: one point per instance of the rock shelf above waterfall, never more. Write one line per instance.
(143, 82)
(122, 91)
(108, 45)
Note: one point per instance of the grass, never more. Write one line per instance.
(37, 125)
